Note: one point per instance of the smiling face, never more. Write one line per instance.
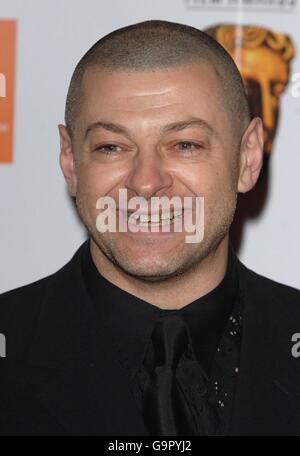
(157, 133)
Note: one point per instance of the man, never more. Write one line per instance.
(145, 332)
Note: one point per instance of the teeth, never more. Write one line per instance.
(156, 219)
(178, 213)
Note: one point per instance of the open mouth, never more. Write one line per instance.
(155, 220)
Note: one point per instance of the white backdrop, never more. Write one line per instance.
(39, 230)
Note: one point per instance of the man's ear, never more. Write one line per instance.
(251, 155)
(67, 159)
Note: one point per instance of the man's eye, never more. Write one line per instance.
(107, 148)
(188, 146)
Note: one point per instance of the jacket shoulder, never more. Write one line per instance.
(30, 295)
(19, 311)
(23, 299)
(20, 307)
(272, 293)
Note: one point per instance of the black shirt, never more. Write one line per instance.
(213, 321)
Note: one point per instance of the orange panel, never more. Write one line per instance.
(7, 88)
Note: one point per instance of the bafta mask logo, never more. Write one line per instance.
(263, 58)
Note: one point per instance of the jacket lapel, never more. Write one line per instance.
(87, 390)
(267, 398)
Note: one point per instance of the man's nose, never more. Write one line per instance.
(148, 176)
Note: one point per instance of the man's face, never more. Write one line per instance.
(148, 159)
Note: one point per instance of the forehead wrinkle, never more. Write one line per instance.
(151, 93)
(148, 108)
(147, 101)
(171, 127)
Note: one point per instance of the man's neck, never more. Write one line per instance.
(175, 292)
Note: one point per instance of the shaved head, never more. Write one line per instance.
(153, 45)
(159, 109)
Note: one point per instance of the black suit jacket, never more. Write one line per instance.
(62, 376)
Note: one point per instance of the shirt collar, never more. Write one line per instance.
(130, 319)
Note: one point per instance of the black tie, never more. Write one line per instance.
(173, 382)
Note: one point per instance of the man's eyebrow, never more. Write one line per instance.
(190, 122)
(174, 126)
(109, 126)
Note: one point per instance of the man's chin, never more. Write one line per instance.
(152, 265)
(150, 273)
(155, 277)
